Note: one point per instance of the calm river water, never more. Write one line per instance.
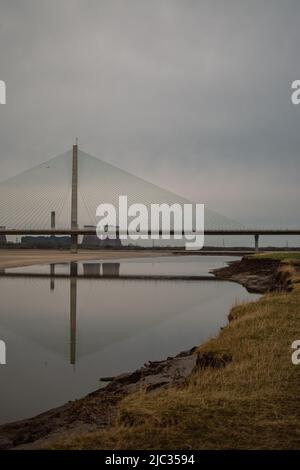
(63, 333)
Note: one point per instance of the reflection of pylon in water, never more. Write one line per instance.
(73, 312)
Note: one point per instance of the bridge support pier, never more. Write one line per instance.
(53, 223)
(74, 243)
(256, 240)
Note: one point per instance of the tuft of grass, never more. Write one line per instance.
(251, 403)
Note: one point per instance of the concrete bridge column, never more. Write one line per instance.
(53, 220)
(256, 239)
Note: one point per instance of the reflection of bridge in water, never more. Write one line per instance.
(104, 271)
(60, 197)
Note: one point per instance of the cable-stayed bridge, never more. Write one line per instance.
(60, 197)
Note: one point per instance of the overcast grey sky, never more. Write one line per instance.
(191, 95)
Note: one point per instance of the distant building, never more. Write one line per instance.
(3, 240)
(46, 242)
(92, 241)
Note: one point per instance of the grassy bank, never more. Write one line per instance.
(250, 403)
(293, 257)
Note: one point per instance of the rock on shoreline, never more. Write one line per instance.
(256, 275)
(98, 408)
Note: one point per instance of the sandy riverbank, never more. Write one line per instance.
(20, 258)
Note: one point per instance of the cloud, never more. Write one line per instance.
(194, 96)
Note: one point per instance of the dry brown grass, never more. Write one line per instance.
(293, 256)
(252, 403)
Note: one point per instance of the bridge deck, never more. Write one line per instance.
(91, 231)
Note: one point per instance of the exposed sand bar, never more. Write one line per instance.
(19, 258)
